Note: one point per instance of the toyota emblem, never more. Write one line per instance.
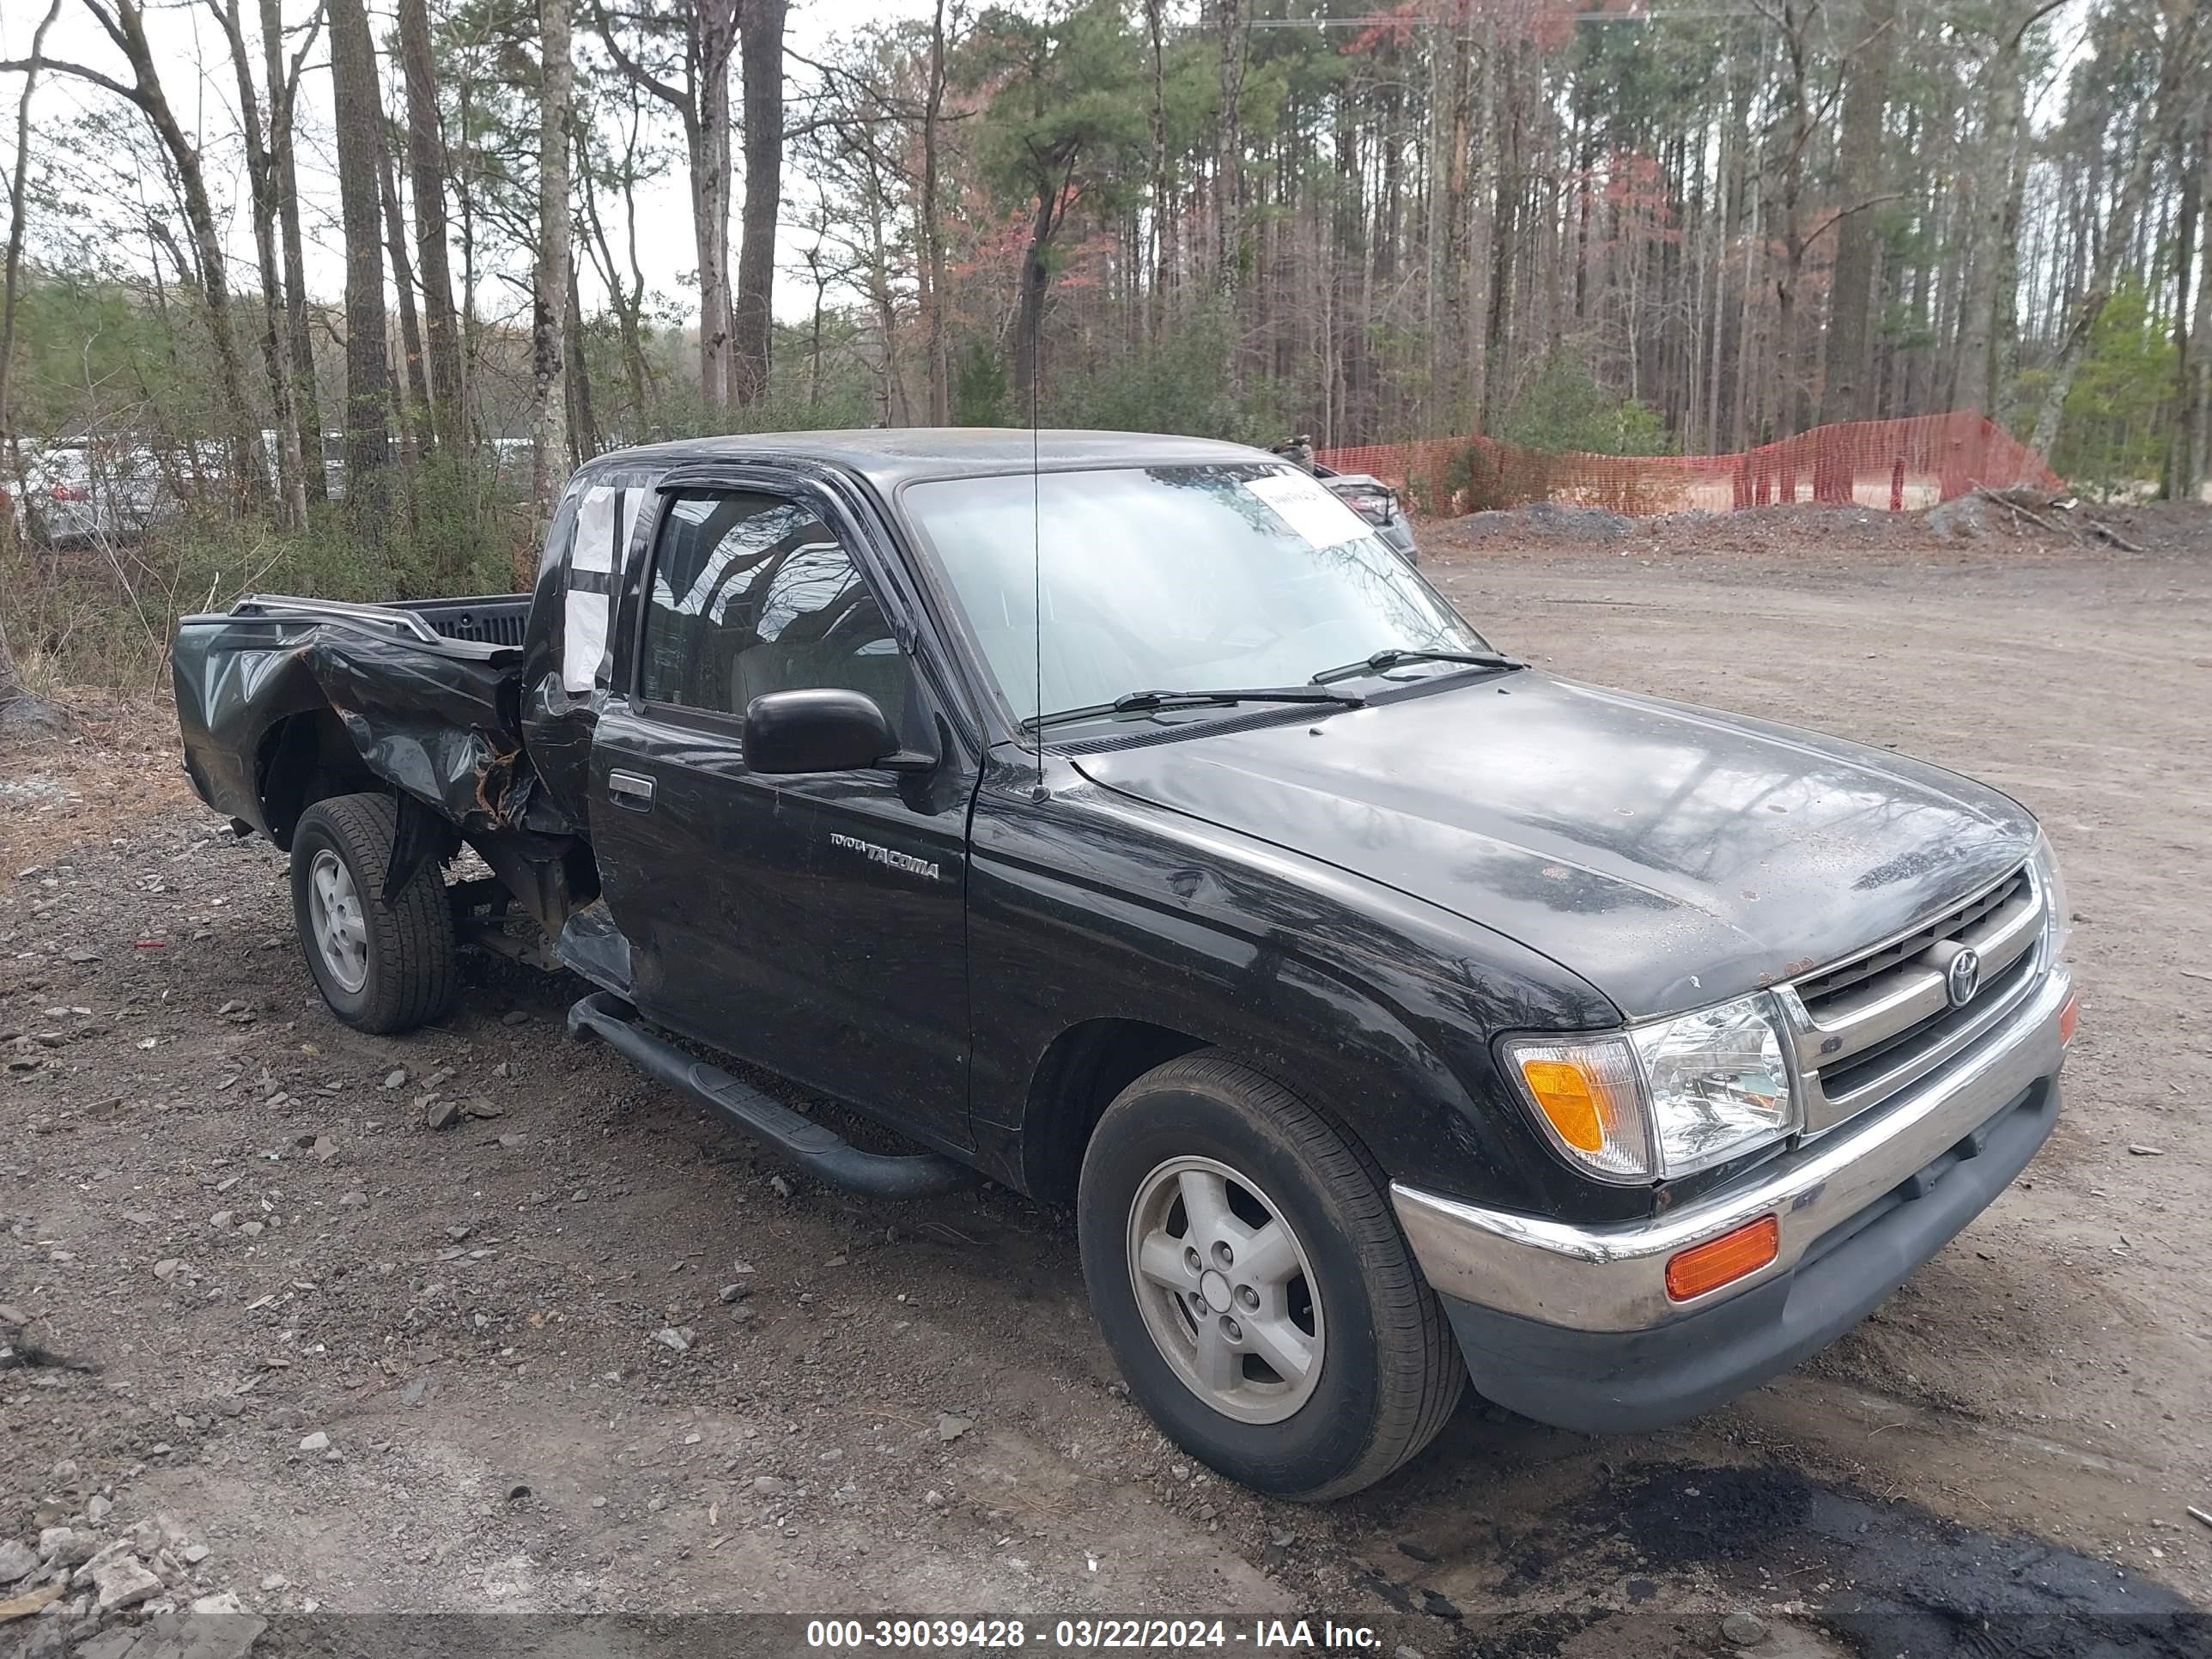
(1963, 978)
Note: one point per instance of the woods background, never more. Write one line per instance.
(332, 294)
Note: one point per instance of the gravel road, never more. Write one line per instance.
(587, 1351)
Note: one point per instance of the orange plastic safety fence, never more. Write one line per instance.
(1915, 461)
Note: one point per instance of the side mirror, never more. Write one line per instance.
(823, 730)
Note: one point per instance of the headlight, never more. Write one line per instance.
(2057, 915)
(1665, 1099)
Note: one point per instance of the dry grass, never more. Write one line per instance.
(117, 760)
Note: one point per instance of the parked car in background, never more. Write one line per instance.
(1378, 503)
(80, 492)
(1364, 492)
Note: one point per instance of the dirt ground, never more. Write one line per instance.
(591, 1351)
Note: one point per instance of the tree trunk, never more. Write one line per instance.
(711, 186)
(275, 346)
(1232, 28)
(2179, 482)
(1844, 388)
(424, 430)
(2200, 396)
(11, 286)
(1029, 323)
(426, 168)
(1974, 380)
(1788, 345)
(583, 424)
(358, 109)
(1156, 306)
(549, 380)
(760, 26)
(936, 275)
(702, 104)
(283, 90)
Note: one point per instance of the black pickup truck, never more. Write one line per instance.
(1116, 817)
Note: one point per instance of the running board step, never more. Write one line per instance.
(817, 1150)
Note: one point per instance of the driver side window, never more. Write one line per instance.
(752, 594)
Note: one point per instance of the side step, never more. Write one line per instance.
(818, 1151)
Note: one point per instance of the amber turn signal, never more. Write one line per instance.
(1562, 1089)
(1723, 1260)
(2069, 1018)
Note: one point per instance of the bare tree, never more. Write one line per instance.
(123, 22)
(2192, 139)
(936, 279)
(276, 339)
(284, 81)
(548, 384)
(1233, 23)
(359, 109)
(17, 706)
(701, 99)
(1850, 304)
(426, 168)
(760, 26)
(19, 182)
(419, 421)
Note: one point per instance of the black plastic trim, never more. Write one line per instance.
(814, 1147)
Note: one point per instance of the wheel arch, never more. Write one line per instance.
(1076, 1079)
(304, 757)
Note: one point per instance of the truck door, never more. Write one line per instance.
(815, 924)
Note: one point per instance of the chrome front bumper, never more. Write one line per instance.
(1613, 1278)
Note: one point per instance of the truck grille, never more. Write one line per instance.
(1868, 1026)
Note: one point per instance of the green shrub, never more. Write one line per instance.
(1565, 408)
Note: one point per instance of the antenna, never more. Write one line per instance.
(1035, 275)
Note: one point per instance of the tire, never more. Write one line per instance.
(388, 964)
(1339, 1286)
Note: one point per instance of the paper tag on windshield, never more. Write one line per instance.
(1305, 505)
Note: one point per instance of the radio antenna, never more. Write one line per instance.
(1034, 274)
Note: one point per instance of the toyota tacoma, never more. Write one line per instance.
(1118, 818)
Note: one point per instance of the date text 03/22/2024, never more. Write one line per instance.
(1154, 1635)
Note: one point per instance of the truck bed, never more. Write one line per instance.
(496, 620)
(420, 696)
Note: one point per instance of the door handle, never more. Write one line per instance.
(631, 789)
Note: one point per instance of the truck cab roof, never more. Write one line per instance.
(886, 458)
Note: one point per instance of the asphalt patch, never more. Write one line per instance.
(1901, 1582)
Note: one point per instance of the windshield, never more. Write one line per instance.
(1171, 578)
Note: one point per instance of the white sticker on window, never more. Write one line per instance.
(594, 546)
(1306, 505)
(583, 639)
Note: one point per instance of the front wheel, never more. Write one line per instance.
(1248, 1275)
(384, 961)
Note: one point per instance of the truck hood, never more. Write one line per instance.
(1670, 855)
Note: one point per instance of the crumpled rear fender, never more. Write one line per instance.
(440, 726)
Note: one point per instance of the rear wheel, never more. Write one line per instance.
(384, 962)
(1247, 1270)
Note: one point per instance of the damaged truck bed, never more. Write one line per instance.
(283, 700)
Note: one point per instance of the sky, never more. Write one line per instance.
(198, 78)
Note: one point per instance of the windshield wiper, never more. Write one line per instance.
(1391, 657)
(1145, 703)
